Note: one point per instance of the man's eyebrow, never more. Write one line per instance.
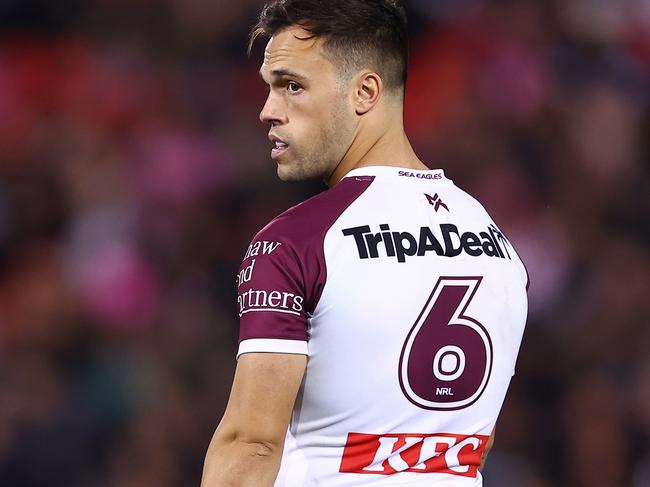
(286, 73)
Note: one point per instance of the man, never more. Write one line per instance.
(380, 320)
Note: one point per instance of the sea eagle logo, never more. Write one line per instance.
(436, 202)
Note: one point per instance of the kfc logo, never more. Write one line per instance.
(407, 452)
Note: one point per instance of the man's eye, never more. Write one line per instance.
(293, 87)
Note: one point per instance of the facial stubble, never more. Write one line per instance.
(318, 158)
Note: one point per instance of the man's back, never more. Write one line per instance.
(410, 305)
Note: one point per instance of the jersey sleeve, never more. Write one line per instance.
(283, 272)
(271, 298)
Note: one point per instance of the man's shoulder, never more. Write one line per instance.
(308, 221)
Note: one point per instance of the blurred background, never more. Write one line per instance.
(134, 172)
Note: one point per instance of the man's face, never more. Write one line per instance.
(311, 119)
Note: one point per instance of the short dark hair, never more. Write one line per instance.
(356, 33)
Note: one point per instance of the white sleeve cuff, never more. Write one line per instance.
(272, 345)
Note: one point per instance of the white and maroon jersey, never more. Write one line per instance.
(410, 304)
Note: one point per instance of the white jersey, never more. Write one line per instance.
(410, 304)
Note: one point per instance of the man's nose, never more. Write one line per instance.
(273, 111)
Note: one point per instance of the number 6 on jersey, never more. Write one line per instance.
(446, 359)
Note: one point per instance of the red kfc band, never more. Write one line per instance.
(412, 452)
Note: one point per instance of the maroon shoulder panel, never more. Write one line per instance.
(283, 272)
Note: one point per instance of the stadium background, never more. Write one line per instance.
(134, 171)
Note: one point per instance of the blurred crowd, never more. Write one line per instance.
(134, 171)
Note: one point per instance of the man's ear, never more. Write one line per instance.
(368, 91)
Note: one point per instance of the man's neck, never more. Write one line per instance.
(389, 148)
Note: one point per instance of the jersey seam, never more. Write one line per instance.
(324, 235)
(326, 231)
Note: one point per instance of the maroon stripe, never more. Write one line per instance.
(297, 266)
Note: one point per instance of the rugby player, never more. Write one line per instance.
(380, 320)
